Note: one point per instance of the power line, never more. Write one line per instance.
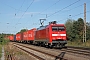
(63, 8)
(78, 6)
(76, 15)
(50, 6)
(74, 8)
(26, 10)
(20, 7)
(80, 13)
(11, 6)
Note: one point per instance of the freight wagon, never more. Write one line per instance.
(28, 36)
(11, 38)
(19, 37)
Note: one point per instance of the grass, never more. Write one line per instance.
(0, 51)
(14, 51)
(3, 42)
(79, 44)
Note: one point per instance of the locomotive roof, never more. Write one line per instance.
(42, 27)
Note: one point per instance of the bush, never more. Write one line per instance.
(3, 41)
(79, 43)
(0, 51)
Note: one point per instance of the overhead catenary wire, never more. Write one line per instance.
(63, 12)
(47, 9)
(50, 6)
(63, 8)
(68, 10)
(72, 4)
(71, 16)
(11, 7)
(73, 8)
(76, 15)
(80, 13)
(76, 7)
(25, 11)
(20, 7)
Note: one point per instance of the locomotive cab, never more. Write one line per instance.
(57, 35)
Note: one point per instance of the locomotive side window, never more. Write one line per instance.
(58, 28)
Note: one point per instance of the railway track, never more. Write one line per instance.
(77, 50)
(10, 57)
(70, 53)
(39, 54)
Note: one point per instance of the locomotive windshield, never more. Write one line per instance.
(58, 28)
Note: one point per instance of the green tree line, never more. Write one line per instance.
(75, 30)
(22, 30)
(3, 39)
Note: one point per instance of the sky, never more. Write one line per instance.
(26, 14)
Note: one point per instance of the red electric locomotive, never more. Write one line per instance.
(51, 35)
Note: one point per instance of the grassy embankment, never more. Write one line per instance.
(2, 43)
(0, 51)
(79, 44)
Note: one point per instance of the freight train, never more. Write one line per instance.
(51, 35)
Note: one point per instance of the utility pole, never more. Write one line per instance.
(84, 31)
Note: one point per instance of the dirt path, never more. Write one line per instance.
(2, 58)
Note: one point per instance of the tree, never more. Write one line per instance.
(74, 29)
(80, 28)
(69, 25)
(88, 31)
(23, 30)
